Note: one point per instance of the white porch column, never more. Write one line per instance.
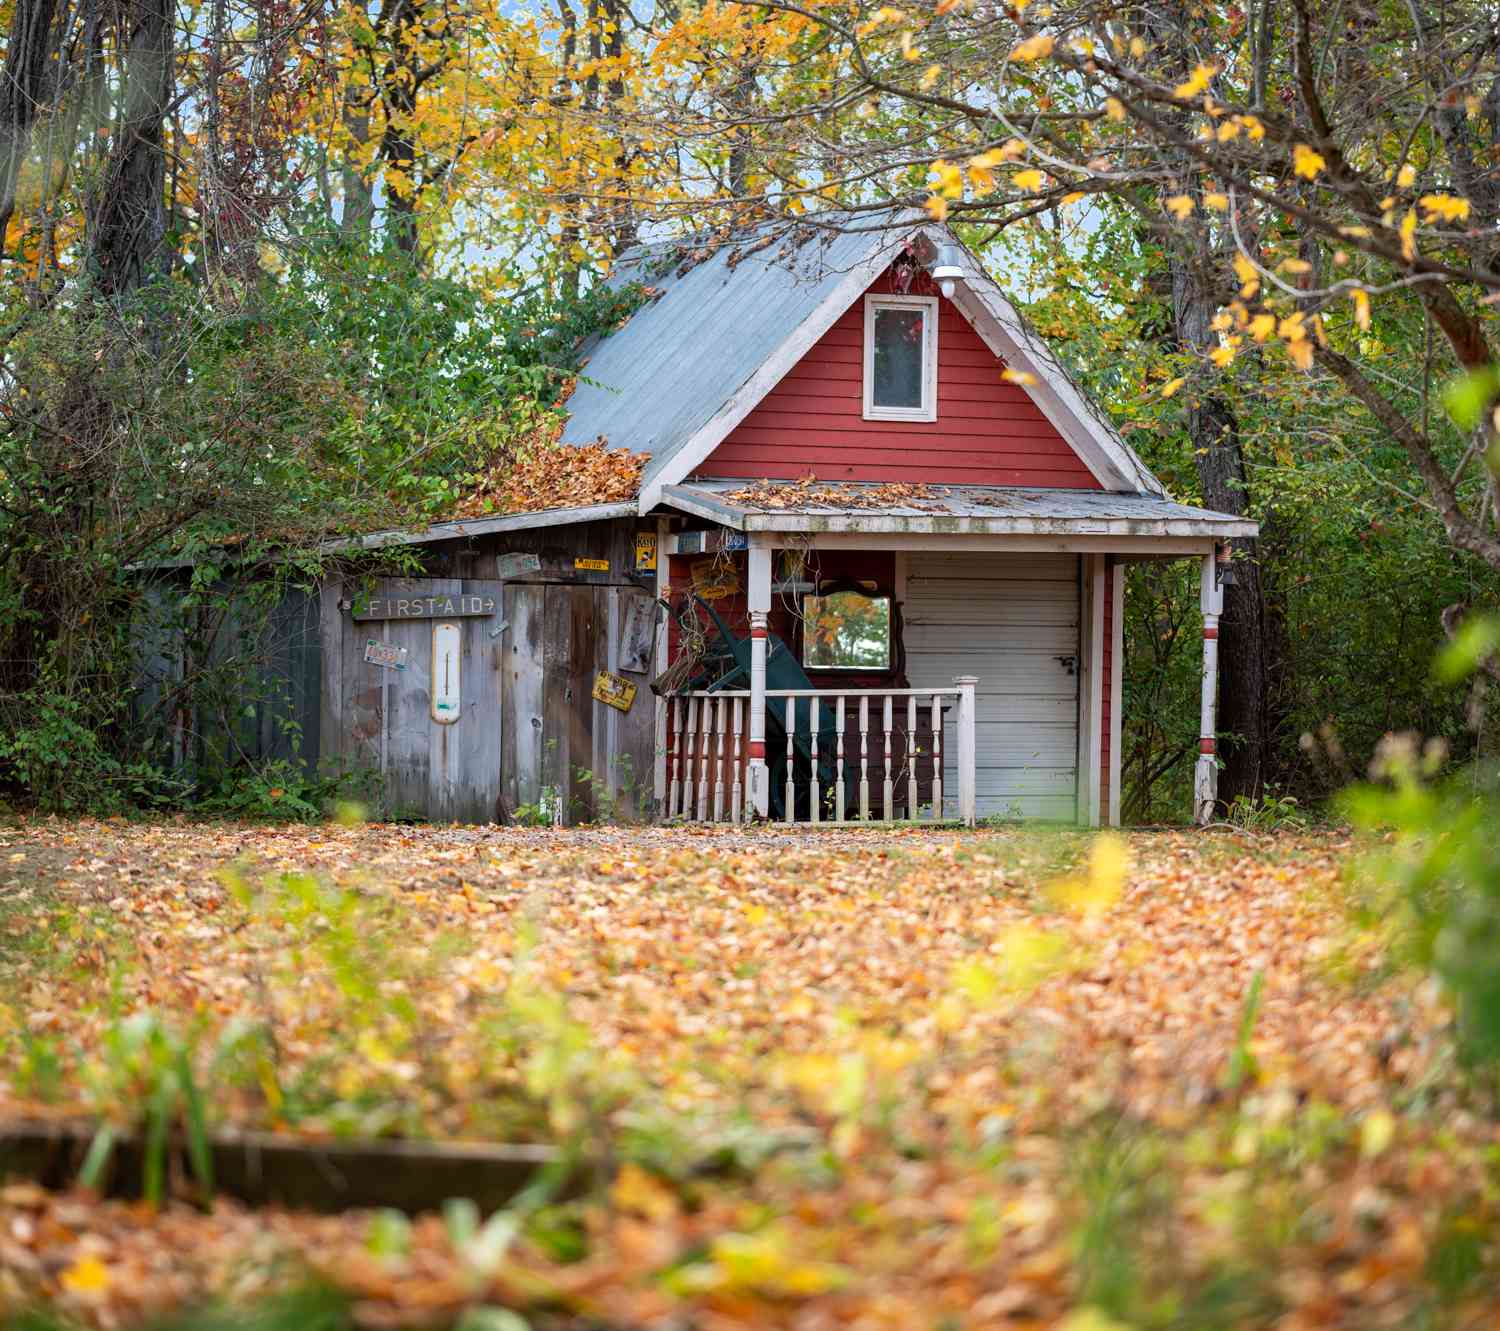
(759, 596)
(659, 663)
(1206, 777)
(966, 750)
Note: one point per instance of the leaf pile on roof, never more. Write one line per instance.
(549, 474)
(809, 492)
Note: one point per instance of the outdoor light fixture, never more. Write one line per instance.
(1223, 568)
(946, 271)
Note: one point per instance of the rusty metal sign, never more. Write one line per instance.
(385, 654)
(449, 606)
(715, 579)
(645, 551)
(618, 693)
(517, 563)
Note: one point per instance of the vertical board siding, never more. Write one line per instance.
(987, 432)
(382, 719)
(1006, 619)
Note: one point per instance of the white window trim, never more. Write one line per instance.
(929, 307)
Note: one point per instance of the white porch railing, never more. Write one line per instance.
(849, 755)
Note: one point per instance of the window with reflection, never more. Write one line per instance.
(846, 630)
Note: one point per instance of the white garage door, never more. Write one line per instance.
(1005, 619)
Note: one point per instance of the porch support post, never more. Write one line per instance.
(759, 597)
(1206, 777)
(659, 663)
(966, 750)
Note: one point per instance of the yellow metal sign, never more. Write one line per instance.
(592, 565)
(618, 693)
(645, 550)
(715, 579)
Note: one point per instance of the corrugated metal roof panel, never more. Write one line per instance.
(657, 381)
(955, 508)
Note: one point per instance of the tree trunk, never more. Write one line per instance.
(128, 213)
(23, 91)
(1246, 631)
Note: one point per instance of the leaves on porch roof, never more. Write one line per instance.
(809, 492)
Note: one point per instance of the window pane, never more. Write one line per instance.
(846, 631)
(898, 358)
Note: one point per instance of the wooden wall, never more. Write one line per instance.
(987, 432)
(529, 723)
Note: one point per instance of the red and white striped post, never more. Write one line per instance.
(758, 594)
(1206, 777)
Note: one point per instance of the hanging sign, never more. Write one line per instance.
(714, 579)
(445, 683)
(443, 606)
(645, 551)
(513, 565)
(618, 693)
(385, 654)
(592, 565)
(635, 634)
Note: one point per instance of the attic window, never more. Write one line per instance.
(901, 358)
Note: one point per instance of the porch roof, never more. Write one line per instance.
(979, 510)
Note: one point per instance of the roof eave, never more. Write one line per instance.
(466, 527)
(701, 504)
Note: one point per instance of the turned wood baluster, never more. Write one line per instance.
(673, 729)
(789, 791)
(838, 787)
(814, 792)
(737, 790)
(888, 788)
(705, 734)
(937, 757)
(864, 758)
(721, 708)
(691, 742)
(911, 757)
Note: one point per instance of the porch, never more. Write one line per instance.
(991, 680)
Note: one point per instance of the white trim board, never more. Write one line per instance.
(927, 411)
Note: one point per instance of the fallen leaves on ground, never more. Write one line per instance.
(844, 1078)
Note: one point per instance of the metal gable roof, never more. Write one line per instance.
(653, 385)
(729, 318)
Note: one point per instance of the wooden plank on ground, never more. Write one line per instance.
(266, 1169)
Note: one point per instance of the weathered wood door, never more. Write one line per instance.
(386, 718)
(557, 743)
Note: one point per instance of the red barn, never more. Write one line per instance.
(886, 536)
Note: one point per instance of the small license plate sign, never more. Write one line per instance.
(616, 692)
(517, 563)
(385, 654)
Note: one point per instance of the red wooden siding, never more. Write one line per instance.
(987, 432)
(1107, 687)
